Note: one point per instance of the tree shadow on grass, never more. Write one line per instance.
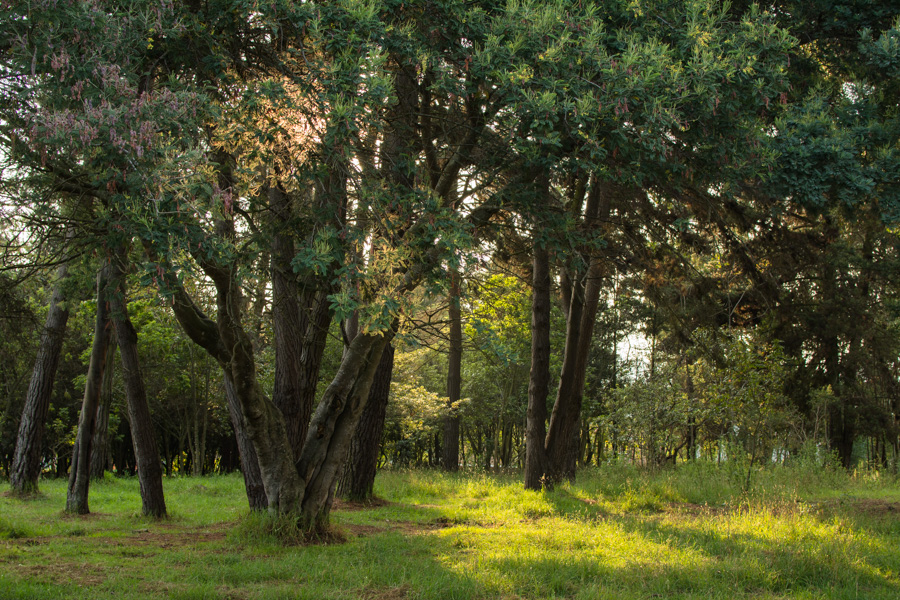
(687, 556)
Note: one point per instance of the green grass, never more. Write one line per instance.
(619, 533)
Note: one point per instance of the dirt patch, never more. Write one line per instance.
(169, 537)
(351, 506)
(864, 507)
(362, 530)
(876, 507)
(91, 516)
(410, 527)
(64, 573)
(22, 495)
(394, 593)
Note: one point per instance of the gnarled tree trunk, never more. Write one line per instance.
(333, 424)
(253, 485)
(358, 477)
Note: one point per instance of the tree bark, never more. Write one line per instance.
(536, 461)
(358, 478)
(253, 484)
(26, 466)
(260, 418)
(286, 393)
(564, 417)
(100, 443)
(333, 424)
(80, 473)
(450, 446)
(143, 437)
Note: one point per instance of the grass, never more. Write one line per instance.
(618, 533)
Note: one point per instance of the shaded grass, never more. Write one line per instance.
(616, 533)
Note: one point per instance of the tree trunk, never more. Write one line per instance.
(563, 434)
(253, 484)
(286, 325)
(80, 474)
(26, 465)
(207, 334)
(536, 462)
(358, 477)
(100, 444)
(564, 417)
(333, 424)
(142, 434)
(450, 457)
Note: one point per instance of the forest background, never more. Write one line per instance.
(330, 236)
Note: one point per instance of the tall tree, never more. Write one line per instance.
(142, 435)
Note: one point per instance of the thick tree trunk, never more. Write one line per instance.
(26, 465)
(100, 444)
(536, 462)
(450, 446)
(286, 393)
(80, 474)
(358, 477)
(261, 420)
(143, 437)
(333, 425)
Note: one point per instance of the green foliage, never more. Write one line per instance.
(415, 410)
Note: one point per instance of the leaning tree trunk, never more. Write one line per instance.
(80, 473)
(204, 332)
(100, 444)
(143, 438)
(358, 478)
(536, 462)
(450, 446)
(26, 466)
(585, 338)
(256, 491)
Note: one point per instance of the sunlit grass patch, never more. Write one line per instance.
(616, 533)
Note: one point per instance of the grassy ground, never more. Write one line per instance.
(617, 533)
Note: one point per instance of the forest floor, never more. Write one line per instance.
(618, 533)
